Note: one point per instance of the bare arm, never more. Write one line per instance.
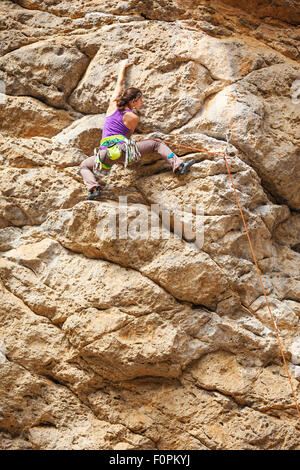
(120, 81)
(131, 121)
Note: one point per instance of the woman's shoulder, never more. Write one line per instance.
(128, 111)
(114, 108)
(130, 118)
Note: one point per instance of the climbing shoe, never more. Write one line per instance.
(184, 167)
(94, 193)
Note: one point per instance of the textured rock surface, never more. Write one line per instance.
(84, 133)
(160, 341)
(28, 117)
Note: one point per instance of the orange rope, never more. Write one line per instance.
(255, 261)
(188, 148)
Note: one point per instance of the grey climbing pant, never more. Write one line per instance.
(144, 146)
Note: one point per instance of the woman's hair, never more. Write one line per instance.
(128, 95)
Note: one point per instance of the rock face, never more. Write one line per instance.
(119, 329)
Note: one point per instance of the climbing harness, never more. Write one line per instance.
(111, 143)
(224, 155)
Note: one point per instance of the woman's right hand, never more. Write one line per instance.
(126, 63)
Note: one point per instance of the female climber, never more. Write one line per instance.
(116, 145)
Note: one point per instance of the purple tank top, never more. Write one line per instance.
(114, 125)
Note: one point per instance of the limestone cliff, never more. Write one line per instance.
(140, 342)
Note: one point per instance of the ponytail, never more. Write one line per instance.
(128, 95)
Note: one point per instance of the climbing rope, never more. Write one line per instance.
(224, 155)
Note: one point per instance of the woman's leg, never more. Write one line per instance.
(86, 170)
(154, 146)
